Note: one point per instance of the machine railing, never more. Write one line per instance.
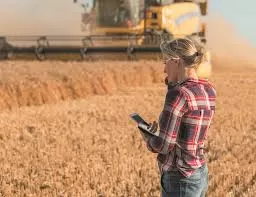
(40, 46)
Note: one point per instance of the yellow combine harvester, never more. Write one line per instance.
(145, 19)
(144, 23)
(128, 27)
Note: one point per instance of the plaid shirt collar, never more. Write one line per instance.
(202, 81)
(193, 80)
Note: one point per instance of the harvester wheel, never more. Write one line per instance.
(42, 43)
(87, 42)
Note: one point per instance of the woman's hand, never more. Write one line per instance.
(153, 127)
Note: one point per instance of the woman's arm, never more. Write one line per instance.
(174, 108)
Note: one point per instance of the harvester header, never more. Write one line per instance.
(119, 26)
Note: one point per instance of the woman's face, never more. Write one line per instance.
(171, 69)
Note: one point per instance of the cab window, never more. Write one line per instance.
(167, 2)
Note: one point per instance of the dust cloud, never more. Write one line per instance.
(36, 17)
(226, 43)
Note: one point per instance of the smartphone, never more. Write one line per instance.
(136, 117)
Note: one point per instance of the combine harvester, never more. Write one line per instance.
(127, 27)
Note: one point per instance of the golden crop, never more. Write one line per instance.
(65, 129)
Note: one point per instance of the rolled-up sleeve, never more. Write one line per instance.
(169, 122)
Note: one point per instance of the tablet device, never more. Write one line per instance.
(143, 125)
(138, 119)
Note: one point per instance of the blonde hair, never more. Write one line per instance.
(184, 48)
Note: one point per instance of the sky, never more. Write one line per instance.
(241, 14)
(63, 16)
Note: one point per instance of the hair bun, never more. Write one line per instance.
(198, 53)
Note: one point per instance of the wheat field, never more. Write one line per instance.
(65, 129)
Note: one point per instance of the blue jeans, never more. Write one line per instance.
(174, 184)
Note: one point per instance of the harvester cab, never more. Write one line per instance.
(135, 26)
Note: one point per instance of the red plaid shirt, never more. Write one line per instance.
(184, 122)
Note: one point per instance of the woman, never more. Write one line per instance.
(187, 113)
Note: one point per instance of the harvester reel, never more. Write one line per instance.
(42, 43)
(130, 49)
(83, 53)
(87, 42)
(130, 53)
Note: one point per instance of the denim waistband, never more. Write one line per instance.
(201, 168)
